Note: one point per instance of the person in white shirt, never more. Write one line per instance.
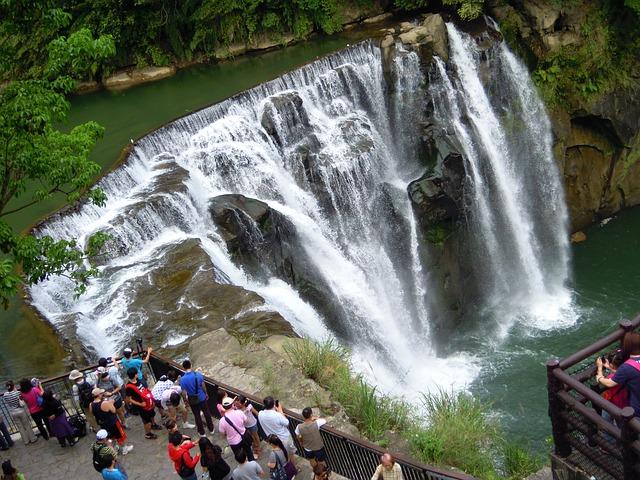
(273, 422)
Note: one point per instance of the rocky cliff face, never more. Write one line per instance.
(597, 138)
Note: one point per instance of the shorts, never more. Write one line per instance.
(174, 411)
(253, 429)
(317, 455)
(147, 415)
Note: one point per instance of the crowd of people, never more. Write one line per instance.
(108, 402)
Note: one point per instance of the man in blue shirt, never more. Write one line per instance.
(193, 384)
(128, 362)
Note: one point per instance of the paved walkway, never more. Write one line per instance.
(46, 460)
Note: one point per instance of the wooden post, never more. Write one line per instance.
(556, 406)
(628, 436)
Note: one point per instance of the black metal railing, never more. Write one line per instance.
(608, 450)
(62, 388)
(348, 456)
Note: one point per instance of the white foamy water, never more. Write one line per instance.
(331, 148)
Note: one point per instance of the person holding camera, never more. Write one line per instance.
(273, 422)
(251, 424)
(308, 433)
(127, 363)
(232, 426)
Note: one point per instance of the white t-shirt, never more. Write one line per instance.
(274, 423)
(165, 400)
(247, 471)
(251, 418)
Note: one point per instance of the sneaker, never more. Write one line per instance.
(188, 425)
(150, 436)
(155, 426)
(126, 449)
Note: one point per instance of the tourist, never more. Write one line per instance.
(82, 394)
(112, 388)
(246, 470)
(173, 404)
(628, 375)
(58, 424)
(112, 367)
(6, 442)
(141, 402)
(193, 385)
(128, 363)
(251, 424)
(273, 422)
(221, 396)
(30, 393)
(9, 472)
(102, 451)
(211, 460)
(19, 414)
(281, 467)
(388, 469)
(104, 410)
(232, 426)
(183, 462)
(309, 434)
(112, 472)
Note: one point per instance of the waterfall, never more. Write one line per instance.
(320, 146)
(330, 149)
(517, 229)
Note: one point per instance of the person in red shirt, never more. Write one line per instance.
(183, 462)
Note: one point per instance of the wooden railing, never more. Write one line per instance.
(581, 435)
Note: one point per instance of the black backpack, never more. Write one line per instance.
(84, 393)
(100, 462)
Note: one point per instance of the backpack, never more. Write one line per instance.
(84, 394)
(99, 460)
(145, 396)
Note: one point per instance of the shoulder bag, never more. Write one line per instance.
(195, 398)
(246, 437)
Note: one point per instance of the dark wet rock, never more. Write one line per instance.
(285, 119)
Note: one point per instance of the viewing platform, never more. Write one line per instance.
(586, 445)
(348, 457)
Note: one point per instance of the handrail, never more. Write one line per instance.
(625, 326)
(576, 420)
(427, 471)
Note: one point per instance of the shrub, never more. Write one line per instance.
(518, 462)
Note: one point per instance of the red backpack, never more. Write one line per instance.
(145, 394)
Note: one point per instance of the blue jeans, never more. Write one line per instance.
(192, 477)
(5, 439)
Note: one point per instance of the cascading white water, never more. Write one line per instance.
(518, 216)
(317, 146)
(332, 147)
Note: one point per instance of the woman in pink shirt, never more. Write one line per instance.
(30, 392)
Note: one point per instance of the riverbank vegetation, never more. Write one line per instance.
(162, 32)
(450, 429)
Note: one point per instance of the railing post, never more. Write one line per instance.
(556, 406)
(626, 325)
(628, 436)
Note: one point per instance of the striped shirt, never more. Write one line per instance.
(393, 473)
(12, 400)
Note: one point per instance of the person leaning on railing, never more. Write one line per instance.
(18, 411)
(628, 375)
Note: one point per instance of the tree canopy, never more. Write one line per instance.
(37, 159)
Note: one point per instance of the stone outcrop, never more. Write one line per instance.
(263, 369)
(597, 141)
(137, 76)
(428, 38)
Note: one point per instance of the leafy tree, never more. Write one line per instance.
(467, 9)
(37, 160)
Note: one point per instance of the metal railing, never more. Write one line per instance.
(348, 456)
(604, 449)
(62, 388)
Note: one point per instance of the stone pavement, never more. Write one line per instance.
(46, 460)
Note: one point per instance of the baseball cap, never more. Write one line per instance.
(102, 434)
(227, 401)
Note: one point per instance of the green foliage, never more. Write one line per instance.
(467, 9)
(37, 160)
(458, 433)
(603, 58)
(456, 430)
(410, 4)
(518, 462)
(633, 5)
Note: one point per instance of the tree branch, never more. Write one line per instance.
(33, 202)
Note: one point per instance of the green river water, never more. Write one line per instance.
(605, 278)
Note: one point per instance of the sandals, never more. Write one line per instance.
(150, 436)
